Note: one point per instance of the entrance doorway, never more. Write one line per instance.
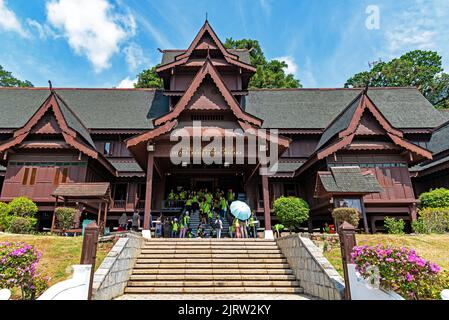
(204, 184)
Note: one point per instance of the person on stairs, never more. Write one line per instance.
(223, 207)
(171, 199)
(175, 228)
(218, 226)
(231, 196)
(236, 224)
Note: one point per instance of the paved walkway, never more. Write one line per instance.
(214, 297)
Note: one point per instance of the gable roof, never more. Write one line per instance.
(340, 180)
(96, 108)
(169, 56)
(405, 108)
(208, 69)
(439, 141)
(229, 56)
(343, 131)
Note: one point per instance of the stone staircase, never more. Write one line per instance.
(211, 266)
(195, 222)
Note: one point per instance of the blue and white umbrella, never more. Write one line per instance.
(240, 210)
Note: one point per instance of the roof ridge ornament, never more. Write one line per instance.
(50, 85)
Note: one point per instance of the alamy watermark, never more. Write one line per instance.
(208, 145)
(372, 22)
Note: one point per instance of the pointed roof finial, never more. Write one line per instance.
(50, 85)
(206, 17)
(365, 90)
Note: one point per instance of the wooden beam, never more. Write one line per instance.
(266, 202)
(99, 213)
(149, 190)
(54, 214)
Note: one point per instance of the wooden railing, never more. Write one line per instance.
(173, 204)
(119, 204)
(140, 205)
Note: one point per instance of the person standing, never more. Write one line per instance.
(158, 228)
(136, 221)
(236, 224)
(231, 196)
(175, 228)
(171, 199)
(243, 229)
(123, 221)
(219, 227)
(223, 207)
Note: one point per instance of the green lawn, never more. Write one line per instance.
(431, 247)
(58, 253)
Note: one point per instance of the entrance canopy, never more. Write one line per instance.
(346, 181)
(84, 191)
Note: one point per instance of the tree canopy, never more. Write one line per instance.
(421, 69)
(270, 74)
(7, 80)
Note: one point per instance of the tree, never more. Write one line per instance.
(270, 74)
(291, 211)
(7, 80)
(23, 207)
(149, 79)
(421, 69)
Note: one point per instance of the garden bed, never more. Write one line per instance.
(58, 253)
(430, 247)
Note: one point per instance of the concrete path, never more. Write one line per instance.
(214, 297)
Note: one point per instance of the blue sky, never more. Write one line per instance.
(106, 43)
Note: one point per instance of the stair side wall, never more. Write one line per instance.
(114, 272)
(316, 275)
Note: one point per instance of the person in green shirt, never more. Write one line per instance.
(223, 207)
(189, 203)
(175, 228)
(205, 210)
(252, 225)
(195, 202)
(231, 196)
(171, 199)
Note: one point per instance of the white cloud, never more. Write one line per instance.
(91, 27)
(135, 57)
(127, 83)
(290, 61)
(44, 30)
(9, 21)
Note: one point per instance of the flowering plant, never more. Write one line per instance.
(18, 262)
(399, 269)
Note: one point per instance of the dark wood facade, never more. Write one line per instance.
(208, 83)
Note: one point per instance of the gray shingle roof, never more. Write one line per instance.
(440, 139)
(74, 123)
(349, 180)
(96, 108)
(317, 108)
(289, 166)
(341, 123)
(422, 167)
(126, 166)
(169, 56)
(283, 109)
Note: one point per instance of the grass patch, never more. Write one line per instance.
(58, 253)
(430, 247)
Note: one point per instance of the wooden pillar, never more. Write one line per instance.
(105, 213)
(149, 191)
(100, 205)
(89, 251)
(54, 214)
(365, 218)
(266, 202)
(347, 243)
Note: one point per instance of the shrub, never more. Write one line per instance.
(350, 215)
(21, 225)
(18, 269)
(400, 270)
(420, 227)
(65, 217)
(437, 198)
(5, 217)
(23, 207)
(432, 220)
(291, 211)
(394, 226)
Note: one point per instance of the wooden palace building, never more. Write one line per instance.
(109, 150)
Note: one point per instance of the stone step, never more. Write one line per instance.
(210, 251)
(214, 290)
(208, 243)
(226, 283)
(213, 277)
(214, 271)
(214, 248)
(210, 260)
(188, 266)
(205, 254)
(212, 240)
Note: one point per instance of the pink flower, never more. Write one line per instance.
(409, 277)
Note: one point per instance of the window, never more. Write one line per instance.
(25, 176)
(355, 203)
(32, 177)
(61, 175)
